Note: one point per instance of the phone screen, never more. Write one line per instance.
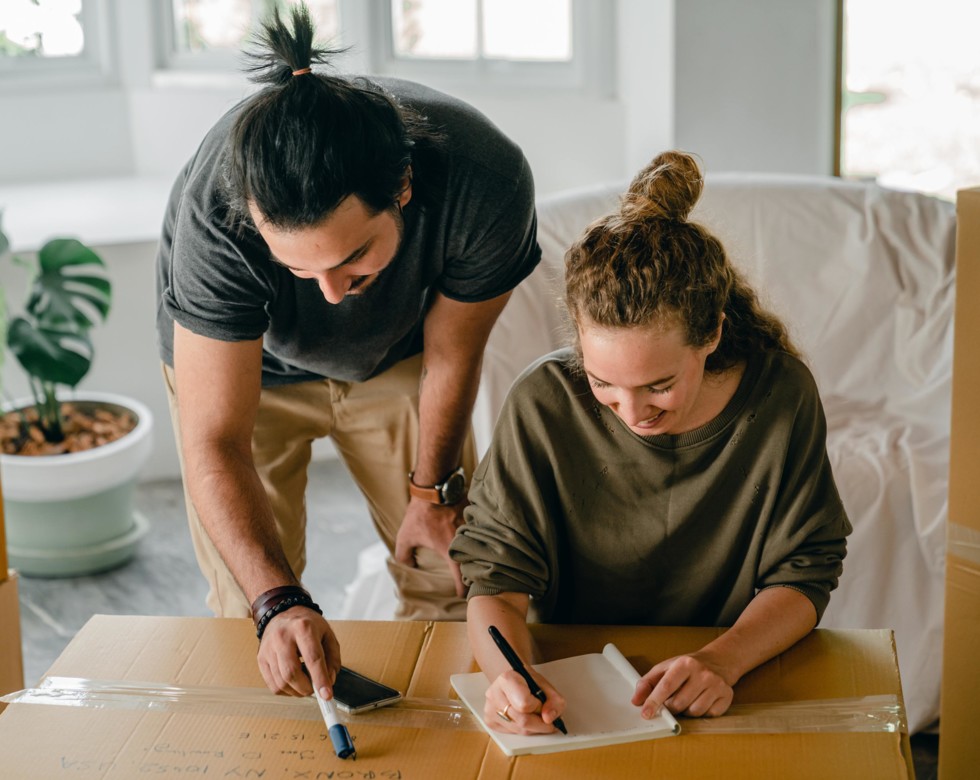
(354, 692)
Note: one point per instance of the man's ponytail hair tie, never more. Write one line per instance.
(302, 71)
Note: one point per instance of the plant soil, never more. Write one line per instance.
(84, 429)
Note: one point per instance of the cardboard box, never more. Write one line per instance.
(3, 542)
(247, 732)
(11, 658)
(959, 748)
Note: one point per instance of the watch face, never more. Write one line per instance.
(453, 489)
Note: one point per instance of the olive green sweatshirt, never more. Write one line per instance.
(600, 525)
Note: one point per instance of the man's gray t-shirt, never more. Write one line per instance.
(472, 240)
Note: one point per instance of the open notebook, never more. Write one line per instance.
(597, 688)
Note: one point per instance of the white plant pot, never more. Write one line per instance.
(73, 514)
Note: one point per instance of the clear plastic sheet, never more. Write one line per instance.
(243, 702)
(859, 714)
(963, 542)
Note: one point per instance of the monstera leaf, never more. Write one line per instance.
(63, 300)
(50, 355)
(51, 340)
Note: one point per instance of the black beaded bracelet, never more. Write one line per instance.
(272, 597)
(282, 606)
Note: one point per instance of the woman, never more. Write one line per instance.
(668, 469)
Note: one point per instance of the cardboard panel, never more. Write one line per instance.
(221, 651)
(11, 658)
(959, 748)
(447, 652)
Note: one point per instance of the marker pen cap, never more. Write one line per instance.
(342, 744)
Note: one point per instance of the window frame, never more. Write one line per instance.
(171, 61)
(93, 67)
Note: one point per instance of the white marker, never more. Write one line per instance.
(343, 745)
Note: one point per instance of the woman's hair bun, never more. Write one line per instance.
(668, 188)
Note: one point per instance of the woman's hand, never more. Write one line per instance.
(511, 708)
(686, 684)
(701, 683)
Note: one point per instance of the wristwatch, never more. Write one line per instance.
(448, 491)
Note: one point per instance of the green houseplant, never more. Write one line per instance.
(69, 459)
(51, 338)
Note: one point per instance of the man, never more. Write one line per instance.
(333, 259)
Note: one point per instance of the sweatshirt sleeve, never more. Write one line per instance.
(806, 540)
(504, 545)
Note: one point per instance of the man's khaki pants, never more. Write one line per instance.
(374, 426)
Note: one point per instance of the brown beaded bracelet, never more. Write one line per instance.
(264, 601)
(281, 606)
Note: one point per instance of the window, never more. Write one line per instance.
(512, 30)
(497, 43)
(212, 33)
(911, 94)
(48, 39)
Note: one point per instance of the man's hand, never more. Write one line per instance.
(429, 525)
(295, 639)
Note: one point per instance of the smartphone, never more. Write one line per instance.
(354, 692)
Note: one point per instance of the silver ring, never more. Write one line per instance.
(503, 714)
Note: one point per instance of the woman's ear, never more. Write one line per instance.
(717, 337)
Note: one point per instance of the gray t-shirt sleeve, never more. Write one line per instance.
(499, 249)
(214, 287)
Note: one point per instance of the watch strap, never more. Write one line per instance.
(434, 494)
(430, 494)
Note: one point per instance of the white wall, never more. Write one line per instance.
(747, 85)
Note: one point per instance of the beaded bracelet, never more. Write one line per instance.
(277, 600)
(282, 606)
(272, 597)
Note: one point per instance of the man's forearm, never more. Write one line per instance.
(447, 393)
(235, 512)
(455, 336)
